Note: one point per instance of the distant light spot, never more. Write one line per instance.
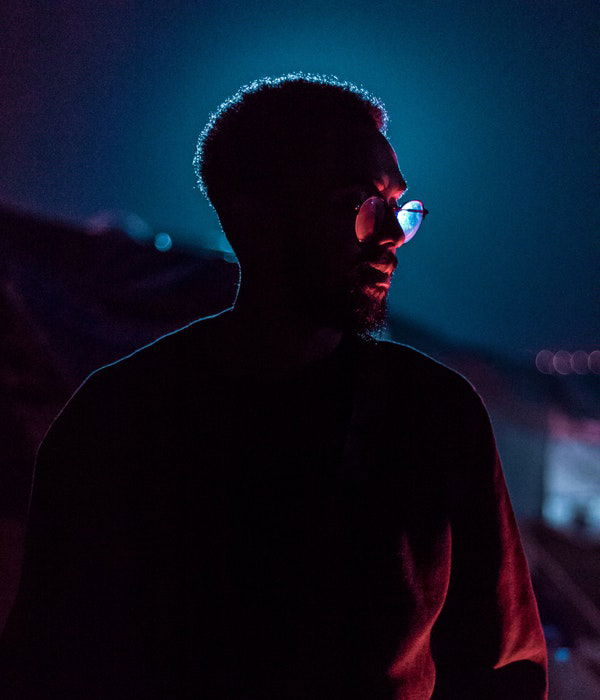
(163, 242)
(562, 654)
(562, 362)
(136, 227)
(557, 511)
(579, 362)
(543, 361)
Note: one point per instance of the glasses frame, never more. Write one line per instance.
(397, 208)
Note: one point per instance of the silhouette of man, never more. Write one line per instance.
(269, 503)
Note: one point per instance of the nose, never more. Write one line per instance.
(390, 233)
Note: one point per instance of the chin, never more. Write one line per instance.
(368, 313)
(357, 308)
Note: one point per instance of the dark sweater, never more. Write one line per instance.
(337, 531)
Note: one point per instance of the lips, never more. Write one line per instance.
(375, 275)
(374, 270)
(387, 269)
(379, 271)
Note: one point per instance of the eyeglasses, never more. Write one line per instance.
(370, 216)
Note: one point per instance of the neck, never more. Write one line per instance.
(263, 332)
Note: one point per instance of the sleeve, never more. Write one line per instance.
(45, 632)
(488, 640)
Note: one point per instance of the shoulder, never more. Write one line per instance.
(402, 366)
(158, 364)
(123, 393)
(437, 397)
(439, 415)
(154, 363)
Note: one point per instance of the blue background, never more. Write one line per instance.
(491, 113)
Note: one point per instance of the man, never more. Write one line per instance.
(269, 503)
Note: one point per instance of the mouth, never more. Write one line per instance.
(378, 274)
(376, 282)
(374, 274)
(386, 268)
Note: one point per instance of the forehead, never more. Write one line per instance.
(366, 157)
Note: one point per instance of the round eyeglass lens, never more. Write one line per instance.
(410, 217)
(369, 217)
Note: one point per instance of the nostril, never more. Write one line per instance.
(391, 232)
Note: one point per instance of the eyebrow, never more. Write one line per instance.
(366, 186)
(351, 189)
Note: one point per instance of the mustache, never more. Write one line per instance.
(381, 258)
(375, 266)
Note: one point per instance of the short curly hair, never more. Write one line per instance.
(272, 129)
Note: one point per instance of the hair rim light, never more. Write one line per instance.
(256, 85)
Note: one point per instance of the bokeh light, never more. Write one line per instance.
(163, 242)
(543, 361)
(579, 362)
(562, 654)
(564, 362)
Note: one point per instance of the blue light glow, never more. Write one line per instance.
(562, 654)
(163, 242)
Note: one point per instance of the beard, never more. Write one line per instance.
(366, 305)
(354, 306)
(356, 309)
(367, 312)
(350, 302)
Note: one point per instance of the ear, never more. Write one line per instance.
(245, 212)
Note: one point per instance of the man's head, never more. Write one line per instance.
(286, 163)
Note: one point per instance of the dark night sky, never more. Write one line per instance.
(492, 118)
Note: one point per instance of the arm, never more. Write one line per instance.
(44, 646)
(488, 641)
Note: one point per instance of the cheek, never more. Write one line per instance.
(339, 261)
(328, 251)
(339, 244)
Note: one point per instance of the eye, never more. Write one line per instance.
(350, 200)
(359, 198)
